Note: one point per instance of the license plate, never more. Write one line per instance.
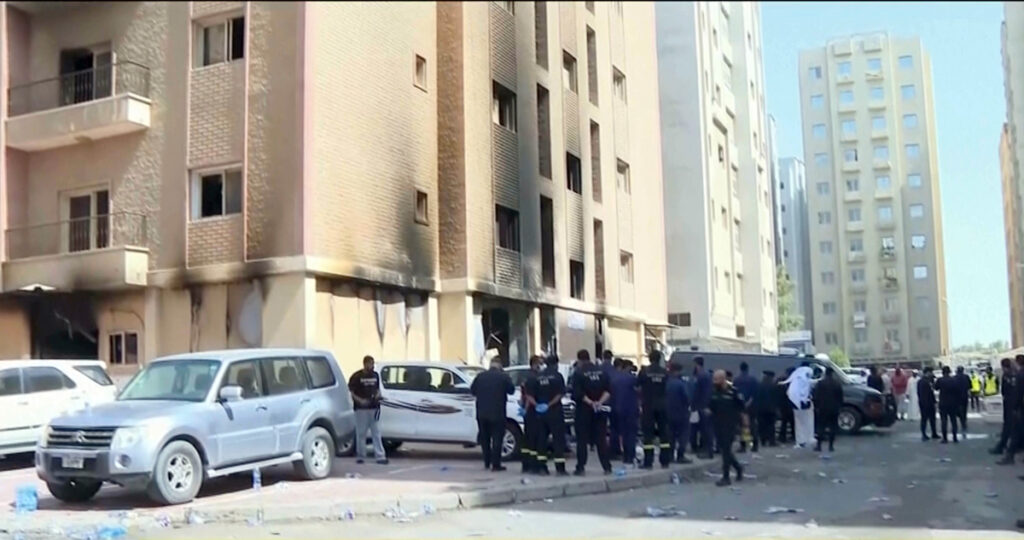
(72, 462)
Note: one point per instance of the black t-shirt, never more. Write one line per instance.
(545, 386)
(590, 381)
(652, 381)
(366, 385)
(491, 389)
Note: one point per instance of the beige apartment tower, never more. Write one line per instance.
(874, 214)
(1011, 149)
(718, 205)
(410, 180)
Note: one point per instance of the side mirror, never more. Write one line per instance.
(229, 393)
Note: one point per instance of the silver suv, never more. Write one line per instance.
(187, 418)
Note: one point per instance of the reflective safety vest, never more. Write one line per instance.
(990, 385)
(975, 384)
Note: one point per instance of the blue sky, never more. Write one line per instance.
(970, 108)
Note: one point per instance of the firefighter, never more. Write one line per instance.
(546, 391)
(528, 450)
(653, 417)
(591, 390)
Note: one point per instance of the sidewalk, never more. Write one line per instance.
(423, 479)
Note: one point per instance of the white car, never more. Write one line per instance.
(431, 402)
(857, 375)
(32, 392)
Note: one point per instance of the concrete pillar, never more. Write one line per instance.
(289, 311)
(456, 330)
(536, 345)
(433, 329)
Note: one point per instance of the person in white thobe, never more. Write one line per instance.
(914, 412)
(799, 393)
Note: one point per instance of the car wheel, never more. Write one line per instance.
(392, 446)
(317, 454)
(849, 420)
(74, 491)
(511, 442)
(178, 474)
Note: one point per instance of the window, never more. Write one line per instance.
(507, 225)
(878, 123)
(245, 375)
(679, 319)
(885, 213)
(906, 61)
(508, 6)
(824, 218)
(821, 159)
(828, 308)
(831, 338)
(852, 185)
(283, 375)
(853, 215)
(920, 271)
(817, 101)
(917, 241)
(907, 91)
(860, 305)
(892, 334)
(818, 131)
(721, 154)
(219, 42)
(124, 348)
(599, 289)
(540, 32)
(619, 85)
(910, 121)
(569, 72)
(924, 333)
(95, 373)
(728, 282)
(422, 208)
(856, 245)
(828, 278)
(857, 275)
(576, 279)
(216, 193)
(420, 79)
(626, 266)
(888, 242)
(10, 382)
(547, 241)
(916, 210)
(846, 97)
(815, 72)
(849, 127)
(823, 189)
(622, 179)
(882, 183)
(913, 151)
(320, 373)
(881, 153)
(874, 64)
(860, 335)
(544, 131)
(503, 106)
(850, 155)
(877, 93)
(890, 303)
(573, 173)
(914, 180)
(592, 86)
(844, 68)
(45, 379)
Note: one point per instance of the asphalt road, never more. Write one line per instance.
(883, 483)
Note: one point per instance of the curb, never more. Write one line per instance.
(536, 490)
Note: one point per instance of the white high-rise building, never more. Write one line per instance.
(793, 239)
(718, 205)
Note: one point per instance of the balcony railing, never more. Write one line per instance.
(119, 229)
(124, 77)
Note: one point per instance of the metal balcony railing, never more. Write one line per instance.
(119, 229)
(123, 77)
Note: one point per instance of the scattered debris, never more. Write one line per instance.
(756, 457)
(878, 499)
(826, 457)
(549, 501)
(886, 517)
(347, 514)
(26, 499)
(811, 524)
(730, 518)
(911, 485)
(111, 532)
(193, 518)
(444, 468)
(750, 476)
(838, 481)
(822, 475)
(944, 460)
(525, 481)
(397, 515)
(710, 474)
(162, 520)
(515, 513)
(675, 478)
(782, 456)
(663, 511)
(783, 510)
(796, 471)
(991, 495)
(428, 509)
(353, 475)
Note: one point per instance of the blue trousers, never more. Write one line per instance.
(680, 434)
(627, 425)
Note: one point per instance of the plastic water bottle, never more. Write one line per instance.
(257, 479)
(257, 484)
(26, 499)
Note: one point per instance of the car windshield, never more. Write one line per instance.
(471, 372)
(175, 380)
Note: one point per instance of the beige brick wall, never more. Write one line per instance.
(204, 9)
(215, 240)
(451, 179)
(373, 134)
(216, 114)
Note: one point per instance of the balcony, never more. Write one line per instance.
(890, 284)
(852, 196)
(851, 166)
(876, 104)
(94, 253)
(98, 103)
(886, 223)
(882, 163)
(874, 75)
(860, 320)
(847, 136)
(858, 287)
(887, 254)
(855, 256)
(884, 193)
(891, 317)
(854, 226)
(880, 133)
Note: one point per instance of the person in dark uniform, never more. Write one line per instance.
(926, 402)
(726, 414)
(701, 403)
(965, 395)
(528, 449)
(491, 389)
(949, 403)
(1013, 422)
(626, 409)
(653, 417)
(677, 407)
(591, 393)
(747, 385)
(787, 424)
(875, 380)
(546, 391)
(1008, 389)
(765, 409)
(609, 365)
(828, 399)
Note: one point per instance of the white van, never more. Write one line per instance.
(32, 392)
